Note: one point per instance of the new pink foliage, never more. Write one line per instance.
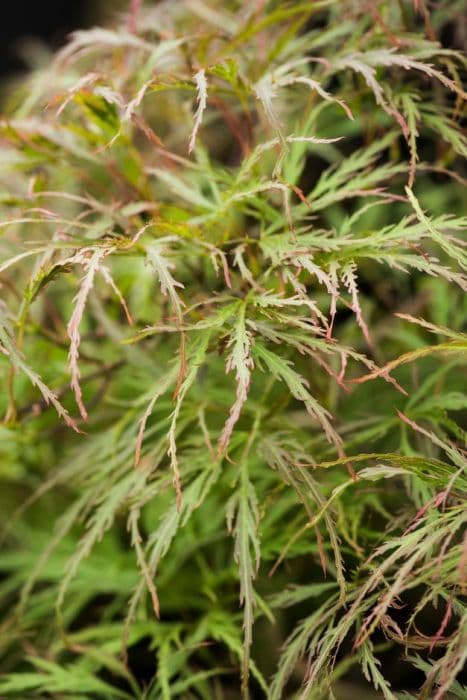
(91, 266)
(240, 360)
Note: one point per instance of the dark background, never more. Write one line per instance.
(49, 21)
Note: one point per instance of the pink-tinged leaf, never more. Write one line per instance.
(202, 96)
(438, 636)
(105, 272)
(390, 57)
(136, 541)
(413, 117)
(284, 189)
(357, 63)
(195, 361)
(81, 84)
(314, 85)
(9, 349)
(130, 108)
(142, 428)
(91, 266)
(349, 278)
(162, 387)
(50, 397)
(163, 267)
(217, 253)
(133, 15)
(438, 330)
(240, 263)
(265, 91)
(299, 388)
(241, 361)
(434, 502)
(333, 267)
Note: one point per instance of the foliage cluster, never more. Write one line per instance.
(232, 273)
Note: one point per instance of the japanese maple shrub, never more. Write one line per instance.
(232, 269)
